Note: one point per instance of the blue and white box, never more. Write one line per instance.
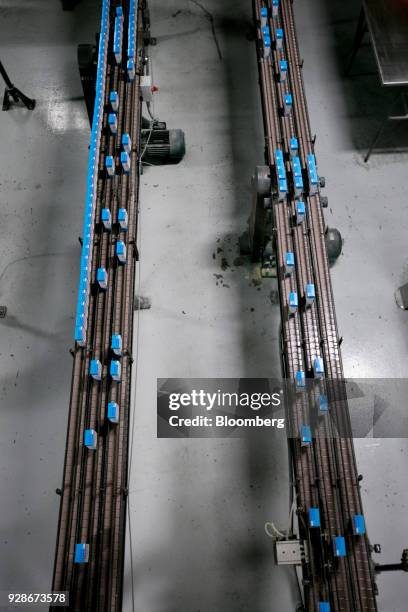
(95, 369)
(130, 66)
(102, 278)
(293, 302)
(312, 173)
(114, 101)
(110, 165)
(81, 554)
(300, 212)
(318, 367)
(310, 294)
(113, 412)
(267, 48)
(283, 68)
(359, 527)
(126, 143)
(281, 175)
(300, 379)
(106, 218)
(116, 344)
(294, 147)
(339, 546)
(314, 517)
(115, 370)
(117, 38)
(121, 251)
(123, 219)
(287, 104)
(305, 435)
(90, 439)
(322, 404)
(297, 173)
(125, 161)
(289, 263)
(113, 122)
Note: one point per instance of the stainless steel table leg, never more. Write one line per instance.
(358, 39)
(380, 130)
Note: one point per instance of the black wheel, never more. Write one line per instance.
(334, 243)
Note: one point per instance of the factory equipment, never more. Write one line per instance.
(287, 231)
(90, 547)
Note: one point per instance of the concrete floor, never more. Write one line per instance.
(197, 507)
(42, 187)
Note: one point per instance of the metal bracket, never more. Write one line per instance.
(290, 552)
(394, 567)
(261, 201)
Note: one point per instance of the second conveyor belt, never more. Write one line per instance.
(325, 472)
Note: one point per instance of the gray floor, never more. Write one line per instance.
(197, 507)
(42, 186)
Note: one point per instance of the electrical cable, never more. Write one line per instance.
(211, 19)
(276, 533)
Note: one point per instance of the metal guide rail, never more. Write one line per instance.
(287, 219)
(91, 531)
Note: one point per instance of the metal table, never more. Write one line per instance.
(386, 21)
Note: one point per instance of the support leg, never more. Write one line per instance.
(375, 139)
(381, 129)
(12, 93)
(358, 39)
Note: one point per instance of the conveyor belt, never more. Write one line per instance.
(94, 491)
(93, 504)
(325, 472)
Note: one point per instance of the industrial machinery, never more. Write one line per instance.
(287, 226)
(89, 556)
